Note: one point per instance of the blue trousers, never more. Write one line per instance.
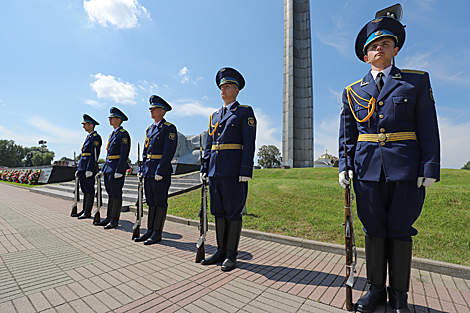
(228, 197)
(86, 184)
(156, 192)
(388, 210)
(113, 186)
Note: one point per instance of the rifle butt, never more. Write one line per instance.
(74, 209)
(349, 303)
(136, 233)
(97, 218)
(200, 254)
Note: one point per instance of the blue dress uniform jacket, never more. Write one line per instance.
(159, 149)
(88, 159)
(230, 143)
(404, 105)
(119, 144)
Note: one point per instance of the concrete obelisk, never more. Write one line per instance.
(297, 128)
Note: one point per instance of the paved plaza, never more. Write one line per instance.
(50, 262)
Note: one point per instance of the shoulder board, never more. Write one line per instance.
(168, 124)
(243, 106)
(413, 72)
(94, 134)
(123, 130)
(354, 83)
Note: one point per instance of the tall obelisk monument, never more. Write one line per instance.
(297, 128)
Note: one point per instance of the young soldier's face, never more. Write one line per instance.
(381, 51)
(229, 92)
(88, 127)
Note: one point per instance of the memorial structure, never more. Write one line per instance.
(297, 129)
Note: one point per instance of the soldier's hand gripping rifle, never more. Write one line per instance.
(350, 240)
(140, 198)
(201, 254)
(76, 197)
(99, 194)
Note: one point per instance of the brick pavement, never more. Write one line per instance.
(50, 262)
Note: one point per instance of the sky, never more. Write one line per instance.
(62, 59)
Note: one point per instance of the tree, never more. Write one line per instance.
(269, 156)
(466, 166)
(11, 154)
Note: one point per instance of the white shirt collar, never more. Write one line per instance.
(230, 105)
(385, 71)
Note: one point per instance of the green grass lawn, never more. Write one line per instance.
(309, 203)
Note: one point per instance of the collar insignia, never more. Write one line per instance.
(363, 83)
(397, 76)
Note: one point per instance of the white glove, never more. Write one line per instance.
(342, 178)
(158, 177)
(426, 181)
(243, 179)
(139, 175)
(76, 173)
(99, 175)
(88, 174)
(203, 177)
(117, 175)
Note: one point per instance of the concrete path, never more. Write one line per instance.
(50, 262)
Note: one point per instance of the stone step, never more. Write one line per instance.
(179, 185)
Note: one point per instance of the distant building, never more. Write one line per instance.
(326, 160)
(65, 162)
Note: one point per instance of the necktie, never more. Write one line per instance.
(380, 81)
(224, 111)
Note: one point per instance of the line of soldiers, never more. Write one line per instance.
(227, 164)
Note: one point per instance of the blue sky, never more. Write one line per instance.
(61, 59)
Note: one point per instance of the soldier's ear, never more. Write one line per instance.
(395, 51)
(366, 59)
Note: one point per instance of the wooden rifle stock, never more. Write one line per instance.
(99, 194)
(76, 198)
(201, 253)
(140, 208)
(348, 236)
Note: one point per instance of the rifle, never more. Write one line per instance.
(140, 191)
(201, 254)
(99, 194)
(76, 197)
(350, 240)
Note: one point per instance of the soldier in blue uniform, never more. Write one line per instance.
(389, 129)
(228, 164)
(161, 140)
(114, 170)
(87, 166)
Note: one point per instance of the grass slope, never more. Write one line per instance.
(309, 203)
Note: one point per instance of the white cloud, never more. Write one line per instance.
(150, 87)
(118, 13)
(94, 103)
(189, 107)
(56, 133)
(455, 142)
(184, 74)
(326, 136)
(266, 133)
(107, 87)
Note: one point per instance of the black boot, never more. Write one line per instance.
(108, 213)
(87, 206)
(233, 238)
(117, 204)
(219, 255)
(158, 223)
(399, 271)
(376, 265)
(150, 222)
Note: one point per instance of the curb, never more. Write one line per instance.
(444, 268)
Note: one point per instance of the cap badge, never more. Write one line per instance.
(378, 33)
(377, 20)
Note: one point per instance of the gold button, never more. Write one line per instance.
(382, 143)
(382, 130)
(406, 100)
(381, 103)
(381, 116)
(218, 134)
